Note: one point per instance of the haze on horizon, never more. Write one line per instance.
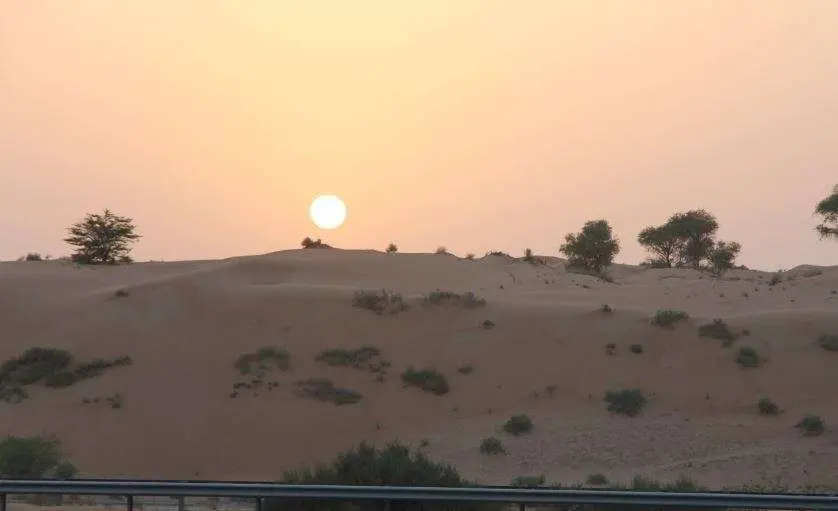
(474, 124)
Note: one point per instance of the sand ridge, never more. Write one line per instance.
(185, 323)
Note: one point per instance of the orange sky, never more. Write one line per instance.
(474, 124)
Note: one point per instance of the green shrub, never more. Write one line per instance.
(261, 359)
(518, 425)
(718, 329)
(34, 365)
(767, 407)
(667, 318)
(348, 358)
(33, 457)
(812, 425)
(829, 342)
(625, 402)
(323, 389)
(429, 380)
(379, 301)
(748, 357)
(528, 482)
(394, 465)
(492, 446)
(596, 480)
(636, 348)
(465, 369)
(467, 300)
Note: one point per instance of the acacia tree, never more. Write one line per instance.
(828, 209)
(102, 239)
(663, 242)
(593, 249)
(723, 256)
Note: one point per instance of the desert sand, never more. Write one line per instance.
(184, 324)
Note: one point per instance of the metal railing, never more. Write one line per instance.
(129, 489)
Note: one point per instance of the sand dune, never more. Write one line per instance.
(184, 324)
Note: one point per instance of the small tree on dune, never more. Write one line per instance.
(664, 244)
(828, 210)
(593, 249)
(102, 239)
(696, 228)
(723, 256)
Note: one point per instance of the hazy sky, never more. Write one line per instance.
(474, 124)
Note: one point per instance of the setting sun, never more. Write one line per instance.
(327, 211)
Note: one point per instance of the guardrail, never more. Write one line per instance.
(522, 497)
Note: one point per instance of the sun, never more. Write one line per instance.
(327, 211)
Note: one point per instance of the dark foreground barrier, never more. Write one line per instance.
(384, 495)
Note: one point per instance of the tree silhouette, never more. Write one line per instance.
(102, 239)
(593, 249)
(828, 209)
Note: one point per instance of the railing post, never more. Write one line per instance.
(129, 503)
(2, 502)
(181, 503)
(259, 503)
(522, 506)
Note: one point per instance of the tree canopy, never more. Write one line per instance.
(102, 239)
(828, 210)
(593, 249)
(686, 239)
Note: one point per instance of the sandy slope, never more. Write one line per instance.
(185, 323)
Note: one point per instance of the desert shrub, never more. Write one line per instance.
(718, 329)
(311, 243)
(767, 407)
(636, 348)
(667, 318)
(625, 402)
(348, 358)
(723, 255)
(492, 446)
(828, 342)
(528, 481)
(428, 380)
(776, 279)
(394, 465)
(682, 484)
(811, 425)
(488, 324)
(465, 369)
(33, 457)
(379, 301)
(33, 256)
(610, 348)
(827, 209)
(392, 248)
(323, 389)
(102, 239)
(529, 257)
(606, 309)
(261, 359)
(469, 256)
(13, 394)
(518, 425)
(467, 300)
(748, 357)
(596, 480)
(497, 253)
(441, 251)
(120, 293)
(593, 248)
(34, 365)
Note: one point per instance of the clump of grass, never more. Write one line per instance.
(610, 348)
(348, 358)
(748, 357)
(488, 324)
(428, 380)
(467, 300)
(34, 365)
(120, 293)
(596, 480)
(528, 481)
(829, 342)
(379, 301)
(667, 318)
(465, 369)
(115, 401)
(776, 279)
(262, 359)
(323, 389)
(606, 309)
(518, 425)
(636, 348)
(767, 407)
(492, 446)
(628, 402)
(811, 425)
(718, 329)
(497, 253)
